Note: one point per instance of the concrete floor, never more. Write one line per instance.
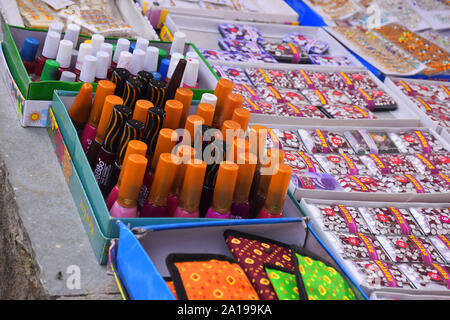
(42, 232)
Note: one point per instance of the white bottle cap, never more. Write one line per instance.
(151, 59)
(56, 27)
(72, 33)
(89, 69)
(125, 60)
(51, 45)
(102, 65)
(122, 45)
(176, 57)
(192, 55)
(209, 98)
(85, 50)
(64, 55)
(96, 42)
(137, 61)
(108, 48)
(68, 76)
(191, 73)
(179, 40)
(141, 44)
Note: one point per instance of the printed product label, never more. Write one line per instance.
(361, 185)
(307, 79)
(417, 185)
(369, 246)
(323, 101)
(387, 274)
(445, 240)
(380, 163)
(423, 251)
(323, 141)
(351, 165)
(352, 227)
(295, 109)
(311, 167)
(427, 107)
(425, 161)
(423, 141)
(444, 274)
(404, 227)
(266, 77)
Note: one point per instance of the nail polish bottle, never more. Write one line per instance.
(146, 78)
(125, 60)
(134, 147)
(176, 57)
(164, 68)
(185, 96)
(84, 50)
(137, 61)
(209, 98)
(274, 158)
(88, 70)
(64, 56)
(223, 191)
(241, 116)
(108, 151)
(96, 42)
(109, 49)
(72, 33)
(192, 130)
(173, 109)
(276, 194)
(192, 190)
(164, 145)
(141, 110)
(81, 107)
(206, 111)
(119, 78)
(257, 135)
(190, 78)
(185, 154)
(230, 130)
(178, 43)
(141, 44)
(101, 72)
(56, 27)
(28, 54)
(49, 51)
(151, 59)
(108, 106)
(68, 76)
(126, 204)
(104, 89)
(223, 89)
(156, 204)
(232, 101)
(175, 81)
(240, 208)
(122, 45)
(50, 71)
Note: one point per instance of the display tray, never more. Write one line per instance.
(350, 45)
(374, 290)
(140, 254)
(425, 119)
(33, 98)
(274, 11)
(205, 33)
(299, 192)
(403, 116)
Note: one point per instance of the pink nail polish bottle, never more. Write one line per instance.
(49, 51)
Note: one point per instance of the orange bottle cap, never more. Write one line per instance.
(164, 144)
(278, 188)
(273, 159)
(232, 101)
(241, 116)
(134, 147)
(206, 111)
(104, 88)
(132, 181)
(193, 122)
(258, 137)
(185, 154)
(230, 130)
(247, 165)
(192, 185)
(224, 189)
(141, 110)
(240, 146)
(108, 106)
(174, 109)
(81, 106)
(163, 178)
(223, 89)
(184, 95)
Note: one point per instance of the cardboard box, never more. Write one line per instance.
(34, 98)
(139, 254)
(93, 211)
(425, 120)
(274, 11)
(204, 32)
(401, 117)
(308, 206)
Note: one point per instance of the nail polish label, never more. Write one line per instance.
(404, 227)
(380, 163)
(429, 165)
(444, 274)
(387, 274)
(426, 257)
(417, 185)
(352, 227)
(423, 141)
(369, 246)
(352, 169)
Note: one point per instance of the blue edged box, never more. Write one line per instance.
(138, 256)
